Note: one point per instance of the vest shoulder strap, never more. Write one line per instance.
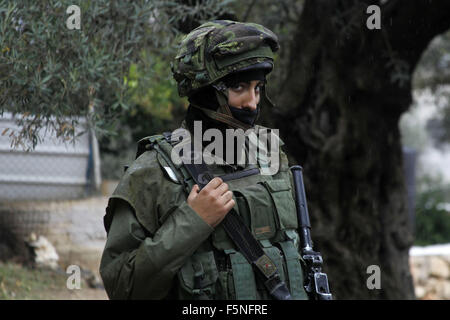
(147, 143)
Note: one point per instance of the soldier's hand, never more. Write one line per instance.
(213, 202)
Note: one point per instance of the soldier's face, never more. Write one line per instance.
(245, 95)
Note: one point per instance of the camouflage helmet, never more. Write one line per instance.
(218, 48)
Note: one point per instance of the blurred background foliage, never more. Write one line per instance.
(432, 225)
(431, 78)
(433, 74)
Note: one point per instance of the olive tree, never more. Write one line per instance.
(61, 60)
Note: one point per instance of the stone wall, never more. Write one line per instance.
(430, 268)
(73, 227)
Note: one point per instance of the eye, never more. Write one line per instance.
(259, 87)
(237, 87)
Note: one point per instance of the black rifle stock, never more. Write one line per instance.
(316, 282)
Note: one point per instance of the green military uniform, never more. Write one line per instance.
(157, 243)
(158, 247)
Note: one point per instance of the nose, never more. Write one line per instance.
(251, 100)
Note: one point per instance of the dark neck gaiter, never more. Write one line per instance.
(206, 98)
(245, 115)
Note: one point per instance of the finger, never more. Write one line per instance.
(213, 184)
(221, 189)
(227, 196)
(193, 193)
(229, 205)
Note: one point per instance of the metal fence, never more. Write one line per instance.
(54, 170)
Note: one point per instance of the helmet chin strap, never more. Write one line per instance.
(267, 99)
(222, 97)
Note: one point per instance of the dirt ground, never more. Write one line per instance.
(81, 294)
(18, 282)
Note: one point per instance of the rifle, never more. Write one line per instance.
(316, 282)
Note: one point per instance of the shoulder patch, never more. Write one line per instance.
(169, 173)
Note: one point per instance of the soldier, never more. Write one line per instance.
(167, 239)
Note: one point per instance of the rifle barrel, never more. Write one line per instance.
(302, 207)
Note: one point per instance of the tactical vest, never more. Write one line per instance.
(217, 270)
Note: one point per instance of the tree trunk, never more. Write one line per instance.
(344, 93)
